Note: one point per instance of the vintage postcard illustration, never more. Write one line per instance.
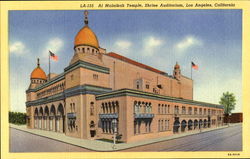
(124, 79)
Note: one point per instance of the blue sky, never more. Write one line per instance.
(159, 38)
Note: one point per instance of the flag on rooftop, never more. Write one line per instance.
(194, 66)
(53, 56)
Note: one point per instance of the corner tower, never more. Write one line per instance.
(37, 76)
(86, 45)
(177, 71)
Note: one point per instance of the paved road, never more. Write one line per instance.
(26, 142)
(228, 139)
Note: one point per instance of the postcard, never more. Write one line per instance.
(124, 79)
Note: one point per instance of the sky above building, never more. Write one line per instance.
(212, 39)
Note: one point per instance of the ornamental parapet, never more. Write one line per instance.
(143, 115)
(108, 116)
(192, 115)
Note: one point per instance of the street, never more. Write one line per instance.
(226, 139)
(21, 141)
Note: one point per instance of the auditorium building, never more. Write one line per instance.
(98, 87)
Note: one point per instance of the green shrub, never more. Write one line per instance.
(17, 118)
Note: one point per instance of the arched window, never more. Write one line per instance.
(159, 125)
(137, 108)
(91, 108)
(159, 108)
(92, 124)
(137, 85)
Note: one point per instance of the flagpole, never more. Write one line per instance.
(49, 66)
(192, 82)
(191, 71)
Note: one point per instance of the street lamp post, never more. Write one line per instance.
(114, 126)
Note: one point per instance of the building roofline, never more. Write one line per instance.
(133, 62)
(137, 93)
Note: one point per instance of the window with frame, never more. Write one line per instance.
(95, 76)
(190, 110)
(92, 108)
(183, 110)
(137, 85)
(159, 108)
(195, 111)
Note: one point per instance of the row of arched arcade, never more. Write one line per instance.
(188, 125)
(50, 118)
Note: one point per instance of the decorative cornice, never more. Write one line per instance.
(136, 93)
(86, 65)
(45, 100)
(83, 89)
(52, 81)
(86, 89)
(68, 69)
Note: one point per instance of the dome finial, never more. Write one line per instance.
(177, 66)
(86, 21)
(38, 63)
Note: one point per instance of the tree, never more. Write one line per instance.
(228, 101)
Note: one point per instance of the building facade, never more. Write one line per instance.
(98, 87)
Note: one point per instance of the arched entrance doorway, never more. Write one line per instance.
(183, 125)
(209, 122)
(46, 118)
(60, 119)
(40, 118)
(200, 124)
(36, 118)
(195, 124)
(205, 123)
(52, 118)
(190, 125)
(176, 126)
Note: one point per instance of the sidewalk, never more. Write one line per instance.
(97, 145)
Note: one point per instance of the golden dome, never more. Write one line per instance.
(86, 37)
(38, 72)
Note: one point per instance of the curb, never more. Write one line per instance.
(123, 148)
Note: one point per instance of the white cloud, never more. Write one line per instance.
(18, 48)
(54, 45)
(187, 42)
(151, 44)
(122, 46)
